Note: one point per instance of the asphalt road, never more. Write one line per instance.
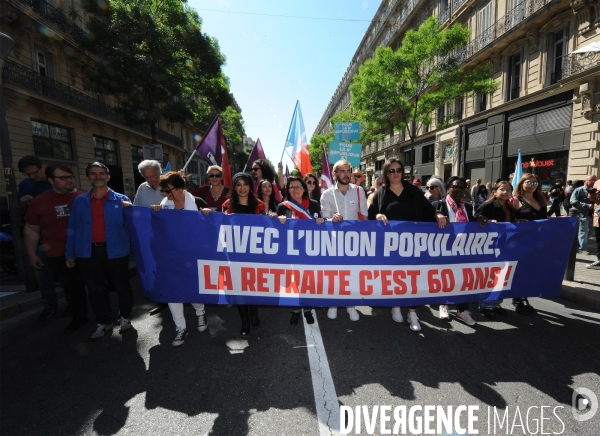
(219, 384)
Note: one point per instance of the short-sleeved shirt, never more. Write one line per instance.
(51, 211)
(147, 196)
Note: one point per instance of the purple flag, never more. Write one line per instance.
(256, 153)
(326, 179)
(209, 147)
(287, 172)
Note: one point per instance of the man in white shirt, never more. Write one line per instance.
(341, 201)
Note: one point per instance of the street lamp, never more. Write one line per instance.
(6, 45)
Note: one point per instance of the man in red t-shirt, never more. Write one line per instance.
(48, 219)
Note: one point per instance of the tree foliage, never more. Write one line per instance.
(403, 88)
(156, 61)
(233, 130)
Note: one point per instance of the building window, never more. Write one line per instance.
(427, 154)
(41, 63)
(379, 165)
(448, 152)
(480, 103)
(105, 150)
(557, 51)
(484, 26)
(458, 108)
(407, 158)
(514, 77)
(50, 140)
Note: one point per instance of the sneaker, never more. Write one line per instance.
(332, 313)
(528, 306)
(519, 307)
(124, 324)
(444, 312)
(100, 330)
(595, 265)
(488, 312)
(179, 337)
(309, 317)
(465, 316)
(413, 321)
(202, 325)
(396, 314)
(353, 314)
(47, 313)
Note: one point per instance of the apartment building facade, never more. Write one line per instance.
(546, 57)
(51, 115)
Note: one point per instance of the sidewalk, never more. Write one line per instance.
(16, 303)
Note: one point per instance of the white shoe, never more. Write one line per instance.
(101, 329)
(465, 316)
(396, 314)
(414, 321)
(124, 324)
(444, 312)
(353, 314)
(332, 313)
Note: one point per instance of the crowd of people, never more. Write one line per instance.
(80, 238)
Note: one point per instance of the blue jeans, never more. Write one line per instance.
(45, 280)
(586, 226)
(491, 304)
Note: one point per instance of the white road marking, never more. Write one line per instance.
(326, 400)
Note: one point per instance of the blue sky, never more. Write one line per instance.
(272, 61)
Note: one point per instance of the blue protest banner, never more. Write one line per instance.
(346, 131)
(184, 256)
(345, 150)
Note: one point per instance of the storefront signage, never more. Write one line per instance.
(538, 163)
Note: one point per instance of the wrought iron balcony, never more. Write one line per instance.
(577, 62)
(56, 16)
(32, 81)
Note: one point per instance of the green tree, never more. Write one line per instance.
(403, 88)
(233, 130)
(156, 61)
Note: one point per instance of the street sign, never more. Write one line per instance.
(346, 131)
(345, 150)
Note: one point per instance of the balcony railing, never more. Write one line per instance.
(577, 62)
(32, 81)
(55, 16)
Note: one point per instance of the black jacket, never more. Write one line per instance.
(492, 210)
(422, 207)
(442, 206)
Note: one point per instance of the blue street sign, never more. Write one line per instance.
(346, 131)
(345, 150)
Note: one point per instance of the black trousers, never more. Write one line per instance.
(73, 284)
(96, 269)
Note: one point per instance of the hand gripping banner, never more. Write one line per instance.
(184, 256)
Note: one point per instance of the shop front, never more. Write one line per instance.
(547, 166)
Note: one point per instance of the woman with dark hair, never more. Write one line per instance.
(481, 196)
(241, 200)
(172, 185)
(298, 206)
(456, 210)
(265, 194)
(401, 201)
(314, 187)
(496, 209)
(262, 169)
(529, 204)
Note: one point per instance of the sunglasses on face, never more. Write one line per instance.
(459, 187)
(166, 191)
(311, 182)
(295, 187)
(395, 171)
(214, 176)
(431, 187)
(255, 169)
(531, 183)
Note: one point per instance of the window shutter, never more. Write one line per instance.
(555, 119)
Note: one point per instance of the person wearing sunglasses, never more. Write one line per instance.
(46, 228)
(400, 200)
(262, 169)
(456, 210)
(214, 192)
(314, 187)
(435, 190)
(297, 205)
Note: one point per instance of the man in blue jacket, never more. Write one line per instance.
(98, 240)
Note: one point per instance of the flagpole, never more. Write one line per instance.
(288, 134)
(196, 149)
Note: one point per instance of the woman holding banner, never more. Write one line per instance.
(241, 200)
(456, 210)
(214, 193)
(298, 206)
(529, 204)
(265, 194)
(496, 209)
(399, 200)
